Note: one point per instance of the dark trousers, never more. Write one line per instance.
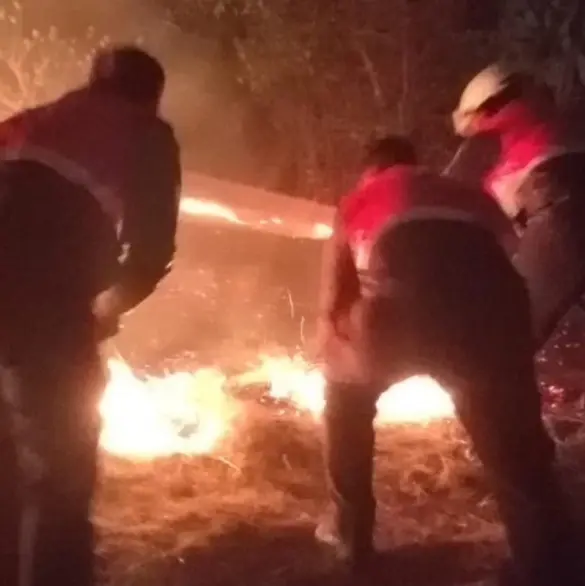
(49, 406)
(51, 376)
(461, 315)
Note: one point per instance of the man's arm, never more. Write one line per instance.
(150, 217)
(340, 286)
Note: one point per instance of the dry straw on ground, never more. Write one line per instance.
(245, 515)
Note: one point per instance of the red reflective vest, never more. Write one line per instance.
(401, 194)
(127, 159)
(525, 141)
(86, 136)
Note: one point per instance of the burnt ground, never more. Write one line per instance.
(248, 518)
(245, 515)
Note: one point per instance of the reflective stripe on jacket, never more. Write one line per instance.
(397, 195)
(403, 194)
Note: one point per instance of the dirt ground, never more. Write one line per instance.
(246, 514)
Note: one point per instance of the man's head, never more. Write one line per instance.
(388, 151)
(129, 72)
(491, 90)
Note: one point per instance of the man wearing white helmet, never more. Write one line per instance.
(82, 179)
(517, 148)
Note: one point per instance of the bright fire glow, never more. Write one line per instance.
(182, 413)
(190, 413)
(418, 399)
(322, 231)
(207, 208)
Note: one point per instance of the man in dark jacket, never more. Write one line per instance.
(416, 281)
(518, 150)
(89, 190)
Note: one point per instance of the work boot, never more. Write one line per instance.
(354, 551)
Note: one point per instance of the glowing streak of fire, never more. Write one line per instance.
(190, 413)
(322, 231)
(211, 209)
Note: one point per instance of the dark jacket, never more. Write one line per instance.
(397, 195)
(127, 159)
(551, 252)
(515, 142)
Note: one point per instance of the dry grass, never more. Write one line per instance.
(245, 515)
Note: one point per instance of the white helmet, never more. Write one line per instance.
(485, 85)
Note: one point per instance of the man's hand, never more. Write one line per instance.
(339, 351)
(108, 307)
(333, 333)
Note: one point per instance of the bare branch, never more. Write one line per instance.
(371, 72)
(403, 112)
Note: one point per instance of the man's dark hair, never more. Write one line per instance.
(130, 72)
(382, 153)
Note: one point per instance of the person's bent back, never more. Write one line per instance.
(107, 138)
(419, 284)
(89, 190)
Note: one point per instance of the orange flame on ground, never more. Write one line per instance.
(192, 412)
(322, 231)
(418, 399)
(182, 413)
(206, 208)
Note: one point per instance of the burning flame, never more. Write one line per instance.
(322, 231)
(207, 208)
(418, 399)
(192, 412)
(182, 413)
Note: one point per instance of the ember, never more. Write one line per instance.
(192, 412)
